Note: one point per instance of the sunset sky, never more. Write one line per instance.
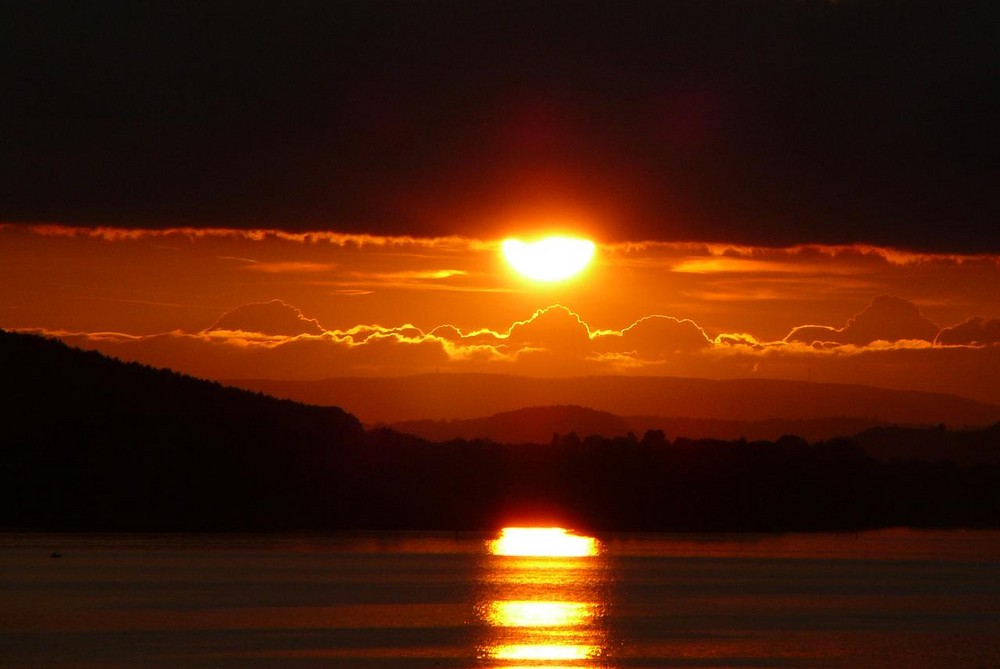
(803, 190)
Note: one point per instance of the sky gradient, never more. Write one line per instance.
(769, 123)
(776, 189)
(231, 303)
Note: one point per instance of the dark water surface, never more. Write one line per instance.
(893, 598)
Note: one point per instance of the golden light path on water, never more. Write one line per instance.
(543, 602)
(540, 614)
(536, 652)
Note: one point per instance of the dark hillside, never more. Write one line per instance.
(963, 447)
(90, 441)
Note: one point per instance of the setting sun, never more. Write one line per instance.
(542, 542)
(549, 259)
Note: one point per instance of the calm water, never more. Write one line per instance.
(881, 599)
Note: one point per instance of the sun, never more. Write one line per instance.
(542, 542)
(549, 259)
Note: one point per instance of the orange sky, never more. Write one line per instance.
(226, 303)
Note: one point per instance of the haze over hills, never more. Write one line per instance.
(465, 396)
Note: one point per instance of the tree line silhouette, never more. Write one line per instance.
(91, 443)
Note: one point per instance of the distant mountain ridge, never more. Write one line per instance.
(543, 425)
(468, 396)
(529, 425)
(539, 424)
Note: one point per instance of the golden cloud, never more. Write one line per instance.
(116, 234)
(268, 318)
(886, 318)
(976, 331)
(555, 341)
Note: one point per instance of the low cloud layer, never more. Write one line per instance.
(977, 331)
(269, 318)
(887, 318)
(888, 342)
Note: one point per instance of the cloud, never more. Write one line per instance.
(688, 256)
(455, 280)
(291, 267)
(553, 328)
(816, 335)
(447, 332)
(120, 234)
(739, 340)
(976, 331)
(381, 353)
(658, 336)
(699, 257)
(359, 334)
(275, 340)
(961, 370)
(887, 318)
(268, 318)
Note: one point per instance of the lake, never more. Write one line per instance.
(889, 598)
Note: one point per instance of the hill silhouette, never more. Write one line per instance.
(538, 424)
(934, 444)
(464, 396)
(91, 443)
(810, 429)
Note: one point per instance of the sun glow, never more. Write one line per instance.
(542, 542)
(550, 259)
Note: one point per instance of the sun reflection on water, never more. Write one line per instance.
(540, 613)
(543, 651)
(543, 600)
